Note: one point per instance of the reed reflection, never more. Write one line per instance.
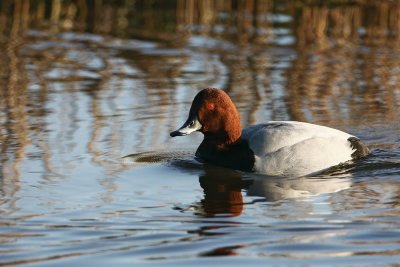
(14, 102)
(345, 79)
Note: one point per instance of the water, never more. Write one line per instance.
(90, 176)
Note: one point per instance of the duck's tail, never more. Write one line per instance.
(360, 149)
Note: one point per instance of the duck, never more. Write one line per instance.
(273, 148)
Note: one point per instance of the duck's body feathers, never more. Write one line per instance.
(291, 148)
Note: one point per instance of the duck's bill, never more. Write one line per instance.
(190, 126)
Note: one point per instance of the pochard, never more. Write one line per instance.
(276, 148)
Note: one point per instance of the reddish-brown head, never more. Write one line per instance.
(214, 114)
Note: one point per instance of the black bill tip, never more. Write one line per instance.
(176, 133)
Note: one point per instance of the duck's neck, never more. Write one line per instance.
(222, 141)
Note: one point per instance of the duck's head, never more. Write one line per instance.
(214, 114)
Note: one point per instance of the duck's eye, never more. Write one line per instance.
(191, 124)
(210, 106)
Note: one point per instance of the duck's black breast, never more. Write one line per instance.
(237, 156)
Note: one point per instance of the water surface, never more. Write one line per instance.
(90, 91)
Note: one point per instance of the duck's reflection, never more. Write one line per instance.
(223, 189)
(274, 189)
